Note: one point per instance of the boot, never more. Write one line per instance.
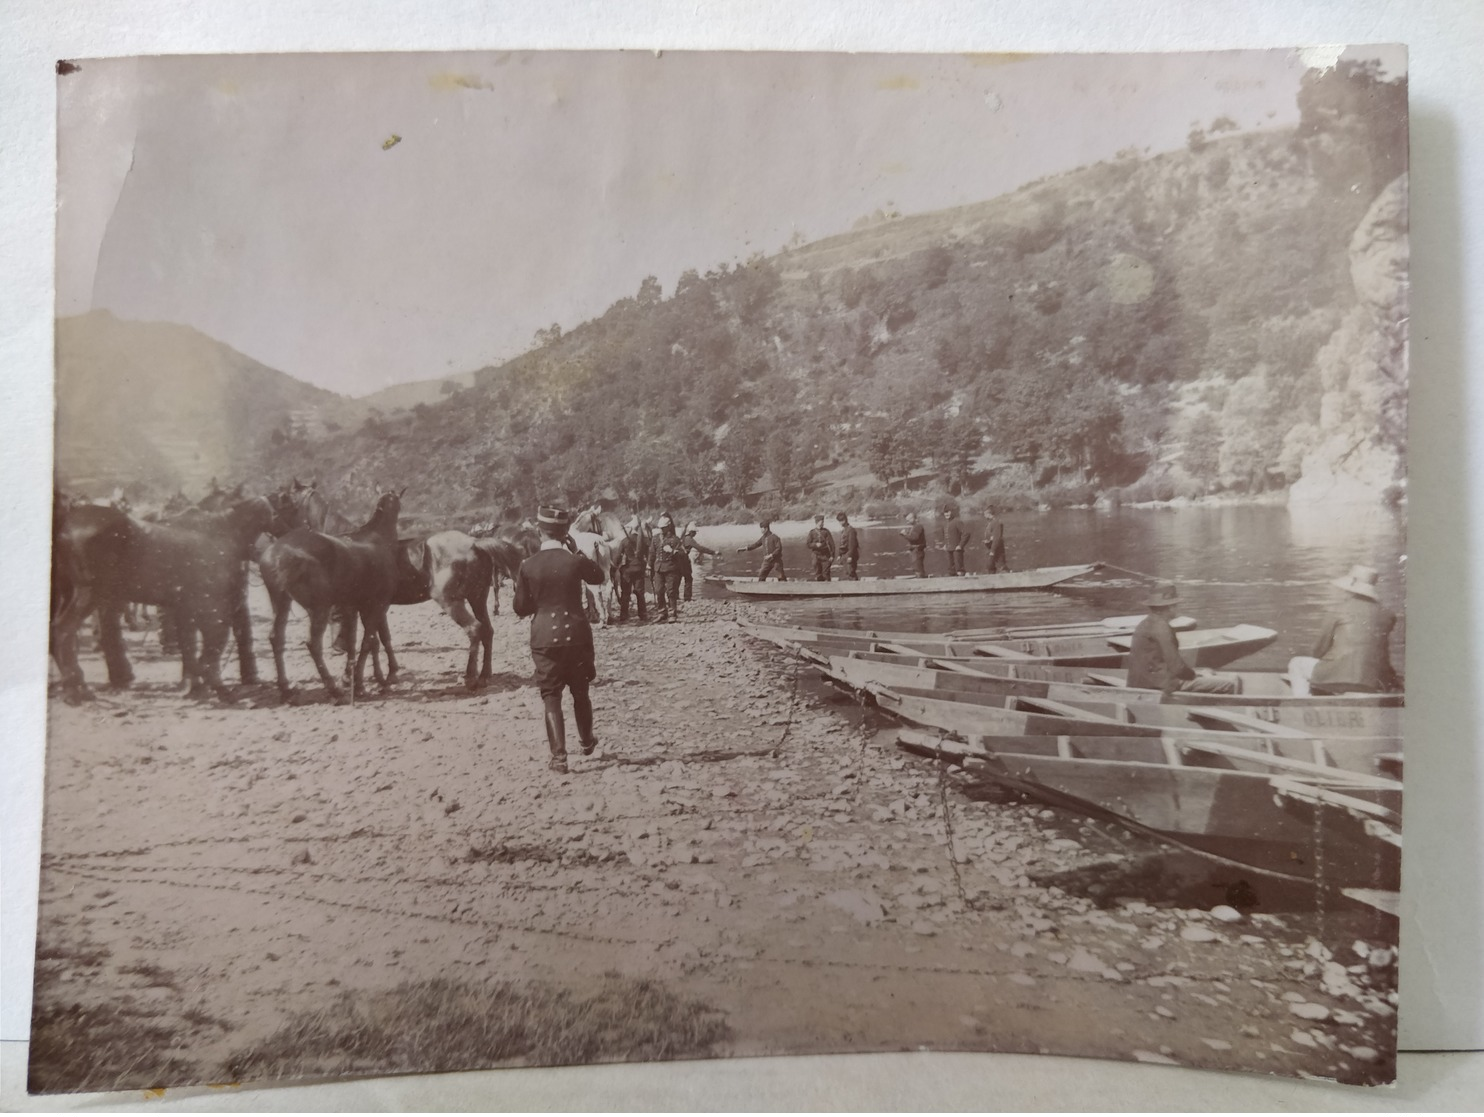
(582, 707)
(556, 734)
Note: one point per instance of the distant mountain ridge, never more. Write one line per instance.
(156, 406)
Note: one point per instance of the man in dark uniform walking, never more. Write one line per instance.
(548, 588)
(772, 552)
(822, 546)
(955, 540)
(850, 546)
(994, 542)
(916, 537)
(633, 561)
(667, 565)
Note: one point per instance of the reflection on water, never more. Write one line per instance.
(1251, 564)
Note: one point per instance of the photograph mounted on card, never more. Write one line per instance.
(573, 557)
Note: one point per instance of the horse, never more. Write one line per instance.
(359, 570)
(507, 546)
(103, 559)
(219, 499)
(607, 524)
(600, 551)
(304, 506)
(200, 519)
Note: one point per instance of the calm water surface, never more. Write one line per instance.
(1250, 564)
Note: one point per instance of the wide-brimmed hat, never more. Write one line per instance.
(690, 528)
(1164, 593)
(1361, 581)
(549, 514)
(665, 521)
(765, 524)
(912, 517)
(840, 516)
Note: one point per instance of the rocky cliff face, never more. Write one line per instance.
(1357, 450)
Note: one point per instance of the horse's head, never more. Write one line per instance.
(256, 516)
(388, 510)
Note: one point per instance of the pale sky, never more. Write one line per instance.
(252, 197)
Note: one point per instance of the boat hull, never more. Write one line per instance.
(1037, 579)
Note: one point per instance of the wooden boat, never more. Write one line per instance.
(1036, 579)
(1309, 717)
(992, 718)
(1108, 626)
(1277, 815)
(1203, 647)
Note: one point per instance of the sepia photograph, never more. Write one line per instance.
(582, 557)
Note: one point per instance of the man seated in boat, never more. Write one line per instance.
(772, 552)
(1154, 659)
(1353, 653)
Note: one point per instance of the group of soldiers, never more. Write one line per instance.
(664, 561)
(824, 551)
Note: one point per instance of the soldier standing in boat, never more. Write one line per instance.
(1154, 659)
(691, 545)
(916, 537)
(1353, 653)
(548, 588)
(772, 552)
(994, 542)
(850, 546)
(822, 546)
(955, 541)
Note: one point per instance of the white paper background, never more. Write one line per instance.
(1443, 929)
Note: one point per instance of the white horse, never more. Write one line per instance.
(600, 551)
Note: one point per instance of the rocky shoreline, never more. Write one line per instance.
(741, 838)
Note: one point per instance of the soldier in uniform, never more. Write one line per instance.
(822, 546)
(548, 588)
(772, 552)
(955, 541)
(850, 546)
(994, 542)
(633, 561)
(916, 537)
(667, 563)
(689, 544)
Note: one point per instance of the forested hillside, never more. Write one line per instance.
(1201, 319)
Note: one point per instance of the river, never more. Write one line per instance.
(1255, 564)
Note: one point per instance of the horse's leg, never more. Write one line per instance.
(495, 595)
(247, 663)
(111, 636)
(281, 605)
(64, 643)
(391, 660)
(187, 626)
(459, 612)
(369, 640)
(319, 618)
(345, 639)
(215, 631)
(486, 637)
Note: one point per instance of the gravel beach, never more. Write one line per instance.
(746, 847)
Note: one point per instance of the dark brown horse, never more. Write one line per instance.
(319, 571)
(103, 559)
(304, 506)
